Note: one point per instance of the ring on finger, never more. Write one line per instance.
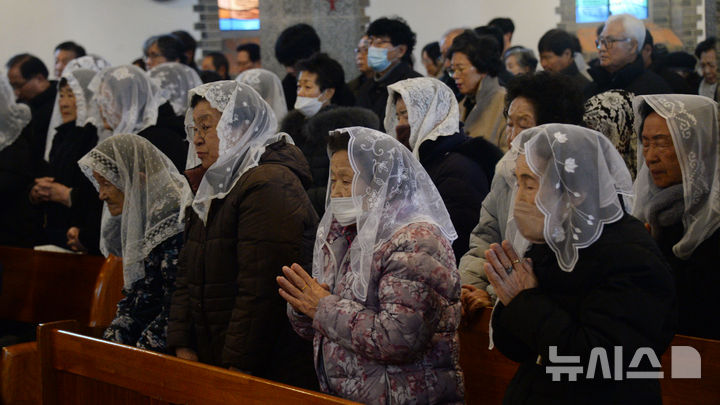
(516, 261)
(508, 269)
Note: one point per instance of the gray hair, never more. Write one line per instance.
(633, 28)
(525, 57)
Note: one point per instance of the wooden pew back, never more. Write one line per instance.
(44, 286)
(702, 391)
(488, 373)
(78, 369)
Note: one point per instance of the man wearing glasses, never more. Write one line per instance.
(620, 63)
(28, 77)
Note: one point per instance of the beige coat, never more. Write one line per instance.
(486, 119)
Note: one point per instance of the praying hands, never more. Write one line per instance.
(507, 273)
(300, 290)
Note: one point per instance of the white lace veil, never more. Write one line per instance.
(79, 85)
(14, 117)
(269, 86)
(153, 190)
(247, 125)
(174, 81)
(78, 79)
(583, 179)
(129, 100)
(392, 190)
(693, 124)
(432, 110)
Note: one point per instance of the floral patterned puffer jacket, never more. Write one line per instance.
(400, 345)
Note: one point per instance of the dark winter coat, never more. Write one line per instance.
(69, 145)
(462, 169)
(373, 94)
(42, 108)
(168, 135)
(577, 78)
(19, 222)
(226, 304)
(620, 293)
(355, 84)
(289, 84)
(633, 77)
(311, 138)
(696, 280)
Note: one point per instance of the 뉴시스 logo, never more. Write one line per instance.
(686, 363)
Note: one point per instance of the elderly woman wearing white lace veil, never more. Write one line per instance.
(250, 215)
(383, 303)
(592, 278)
(125, 100)
(137, 181)
(678, 196)
(423, 115)
(16, 223)
(68, 200)
(82, 94)
(268, 85)
(175, 80)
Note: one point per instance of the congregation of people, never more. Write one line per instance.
(334, 233)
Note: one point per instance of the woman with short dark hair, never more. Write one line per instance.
(475, 64)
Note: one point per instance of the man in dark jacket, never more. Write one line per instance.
(390, 56)
(556, 56)
(620, 64)
(29, 79)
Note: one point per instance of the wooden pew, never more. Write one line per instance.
(488, 373)
(78, 369)
(705, 391)
(44, 286)
(20, 363)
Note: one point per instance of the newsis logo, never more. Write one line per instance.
(686, 363)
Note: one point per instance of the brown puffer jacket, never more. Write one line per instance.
(226, 305)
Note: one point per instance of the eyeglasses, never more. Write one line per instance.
(459, 70)
(379, 41)
(152, 56)
(202, 132)
(609, 42)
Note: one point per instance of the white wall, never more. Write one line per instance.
(114, 29)
(430, 19)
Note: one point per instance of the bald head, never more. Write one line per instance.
(446, 43)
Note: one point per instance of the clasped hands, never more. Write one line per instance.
(47, 189)
(300, 290)
(507, 273)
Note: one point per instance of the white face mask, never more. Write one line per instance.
(344, 210)
(308, 106)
